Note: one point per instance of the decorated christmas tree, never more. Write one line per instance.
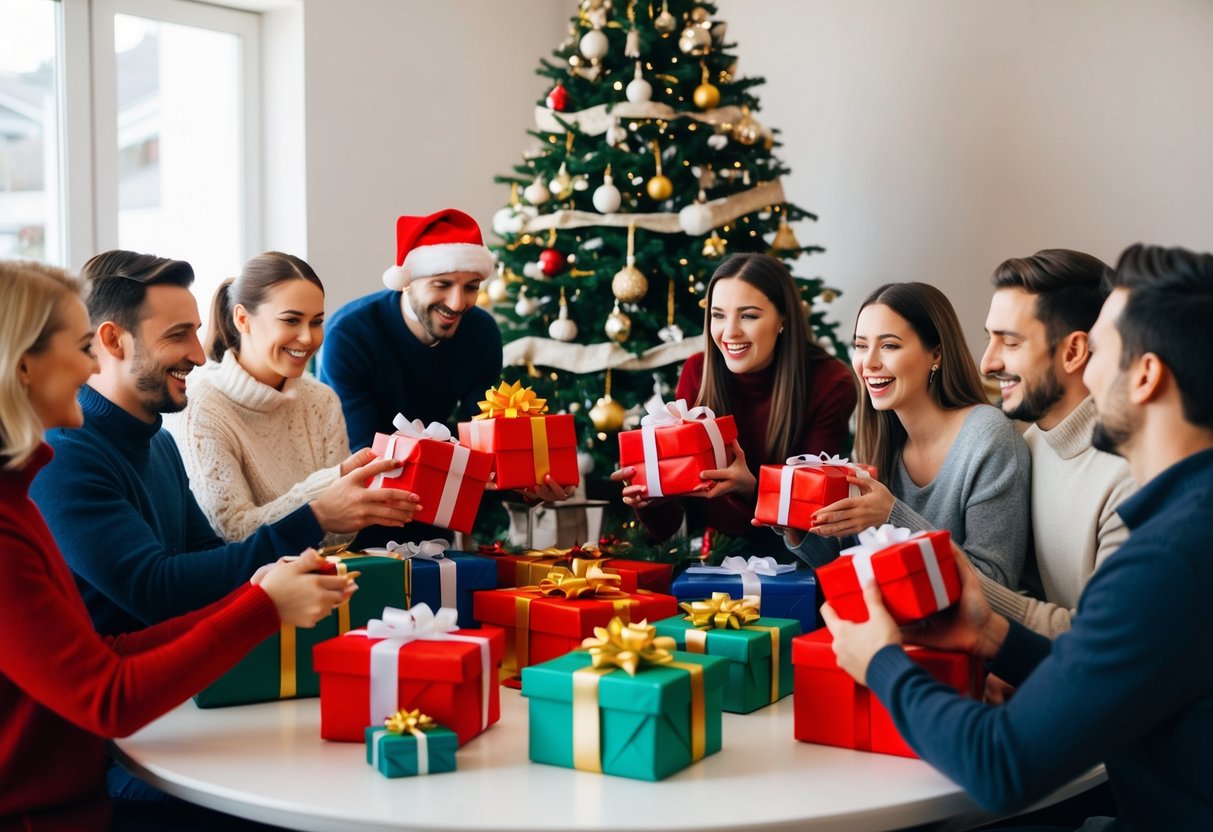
(649, 167)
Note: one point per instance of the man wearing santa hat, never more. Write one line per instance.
(422, 347)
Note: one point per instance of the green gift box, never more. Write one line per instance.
(281, 666)
(398, 755)
(641, 726)
(759, 657)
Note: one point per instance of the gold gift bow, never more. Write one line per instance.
(511, 401)
(288, 669)
(531, 566)
(626, 646)
(563, 582)
(722, 612)
(411, 721)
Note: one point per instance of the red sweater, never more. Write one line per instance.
(63, 688)
(824, 427)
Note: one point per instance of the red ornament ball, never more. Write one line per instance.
(552, 262)
(558, 98)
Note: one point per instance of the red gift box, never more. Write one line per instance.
(524, 449)
(441, 675)
(916, 573)
(541, 626)
(679, 444)
(831, 708)
(788, 495)
(448, 478)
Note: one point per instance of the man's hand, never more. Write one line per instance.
(852, 515)
(856, 643)
(969, 625)
(734, 479)
(349, 506)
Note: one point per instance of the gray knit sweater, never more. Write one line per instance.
(980, 495)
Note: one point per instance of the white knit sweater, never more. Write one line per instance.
(1075, 527)
(254, 454)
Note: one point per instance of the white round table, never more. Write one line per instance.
(267, 763)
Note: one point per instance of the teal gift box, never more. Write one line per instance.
(759, 657)
(639, 726)
(398, 755)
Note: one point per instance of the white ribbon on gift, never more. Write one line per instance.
(874, 539)
(454, 475)
(747, 570)
(423, 748)
(400, 627)
(433, 550)
(820, 460)
(667, 414)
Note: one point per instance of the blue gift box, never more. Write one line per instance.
(396, 755)
(790, 594)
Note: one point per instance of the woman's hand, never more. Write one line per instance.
(735, 479)
(548, 491)
(300, 594)
(791, 537)
(635, 496)
(852, 515)
(349, 506)
(356, 460)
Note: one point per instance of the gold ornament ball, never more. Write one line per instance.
(618, 327)
(706, 96)
(660, 188)
(748, 132)
(694, 40)
(607, 414)
(483, 300)
(629, 284)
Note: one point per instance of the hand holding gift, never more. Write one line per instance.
(349, 505)
(673, 450)
(733, 479)
(300, 594)
(793, 494)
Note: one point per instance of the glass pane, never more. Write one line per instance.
(31, 216)
(180, 177)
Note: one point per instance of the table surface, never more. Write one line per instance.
(267, 762)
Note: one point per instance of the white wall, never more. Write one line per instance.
(934, 137)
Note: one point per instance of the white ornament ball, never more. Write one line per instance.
(607, 198)
(508, 221)
(585, 463)
(563, 329)
(497, 291)
(536, 193)
(533, 270)
(526, 306)
(639, 91)
(594, 44)
(696, 219)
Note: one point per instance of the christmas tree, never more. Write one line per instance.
(649, 168)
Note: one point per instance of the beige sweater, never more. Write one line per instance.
(255, 454)
(1075, 527)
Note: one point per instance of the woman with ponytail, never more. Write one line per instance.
(260, 436)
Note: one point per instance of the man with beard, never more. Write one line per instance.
(1042, 309)
(422, 347)
(1131, 683)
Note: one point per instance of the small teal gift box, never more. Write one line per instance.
(783, 591)
(409, 744)
(758, 649)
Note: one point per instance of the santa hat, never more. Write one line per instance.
(448, 241)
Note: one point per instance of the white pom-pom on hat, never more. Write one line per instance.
(397, 278)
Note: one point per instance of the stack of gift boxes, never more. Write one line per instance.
(626, 671)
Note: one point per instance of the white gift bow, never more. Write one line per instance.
(664, 415)
(747, 570)
(812, 461)
(434, 550)
(423, 748)
(873, 540)
(454, 475)
(399, 627)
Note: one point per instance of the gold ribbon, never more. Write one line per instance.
(627, 647)
(288, 669)
(411, 721)
(721, 612)
(512, 401)
(539, 449)
(562, 582)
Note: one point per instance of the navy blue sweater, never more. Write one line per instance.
(1131, 684)
(379, 368)
(117, 499)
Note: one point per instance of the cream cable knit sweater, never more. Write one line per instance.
(253, 453)
(1075, 527)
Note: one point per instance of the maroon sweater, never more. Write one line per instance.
(63, 687)
(824, 427)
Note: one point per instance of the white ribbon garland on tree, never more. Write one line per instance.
(873, 539)
(438, 432)
(594, 121)
(431, 550)
(747, 570)
(595, 358)
(820, 460)
(667, 414)
(400, 627)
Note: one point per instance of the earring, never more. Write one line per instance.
(931, 378)
(780, 331)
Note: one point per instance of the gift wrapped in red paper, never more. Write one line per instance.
(529, 567)
(916, 572)
(526, 444)
(553, 617)
(788, 495)
(409, 659)
(448, 477)
(831, 708)
(674, 444)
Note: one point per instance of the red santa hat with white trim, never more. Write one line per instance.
(445, 242)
